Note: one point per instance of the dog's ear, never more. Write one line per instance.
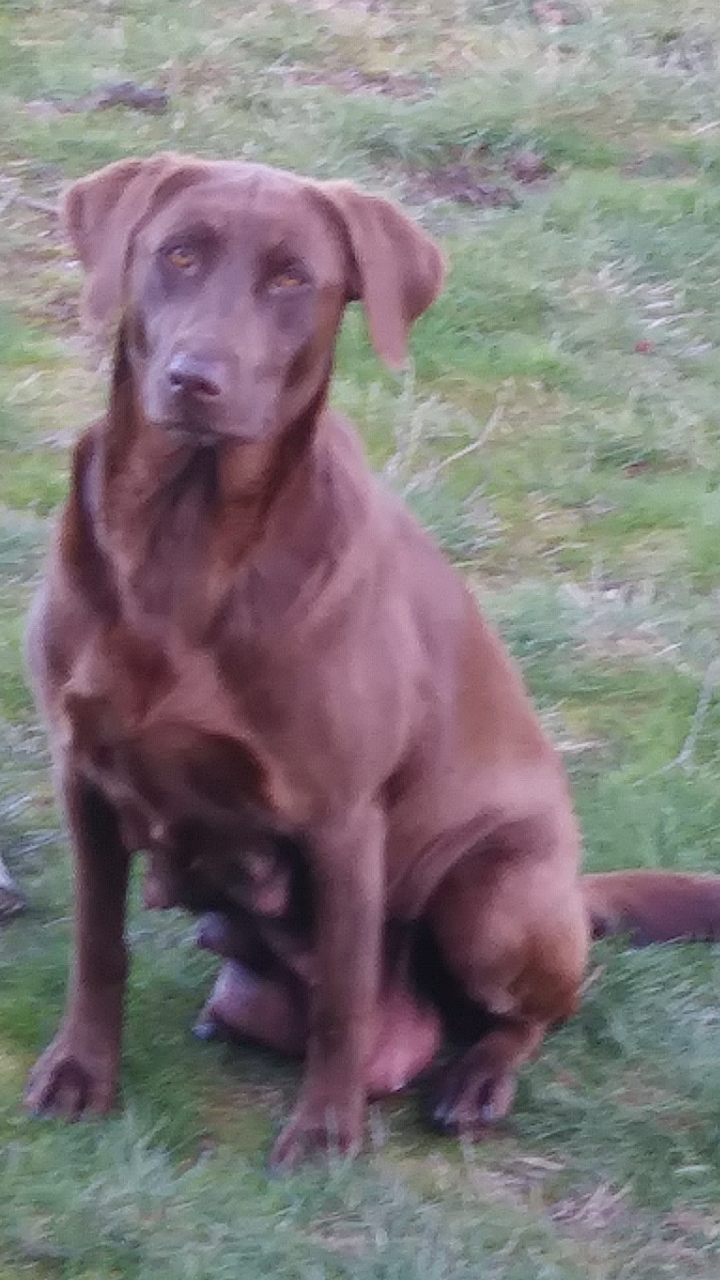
(101, 213)
(397, 269)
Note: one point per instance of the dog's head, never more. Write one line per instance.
(231, 279)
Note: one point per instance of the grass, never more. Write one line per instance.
(559, 430)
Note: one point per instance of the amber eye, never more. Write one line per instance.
(289, 279)
(180, 258)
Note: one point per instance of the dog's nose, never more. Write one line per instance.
(195, 376)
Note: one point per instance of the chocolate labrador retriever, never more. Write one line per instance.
(243, 637)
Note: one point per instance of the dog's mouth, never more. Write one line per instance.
(196, 426)
(198, 434)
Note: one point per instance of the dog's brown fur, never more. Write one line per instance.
(242, 632)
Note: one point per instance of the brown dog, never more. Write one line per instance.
(241, 631)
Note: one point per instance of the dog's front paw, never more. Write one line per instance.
(311, 1131)
(71, 1081)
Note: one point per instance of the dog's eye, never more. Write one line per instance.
(292, 278)
(181, 258)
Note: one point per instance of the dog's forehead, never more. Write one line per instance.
(261, 206)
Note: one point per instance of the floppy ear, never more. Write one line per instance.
(101, 214)
(398, 270)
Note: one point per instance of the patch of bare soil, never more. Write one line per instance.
(350, 80)
(124, 93)
(464, 184)
(603, 1209)
(482, 183)
(691, 1224)
(687, 51)
(659, 164)
(39, 279)
(684, 1246)
(555, 13)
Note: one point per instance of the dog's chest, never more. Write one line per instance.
(162, 740)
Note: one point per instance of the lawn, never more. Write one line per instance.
(559, 430)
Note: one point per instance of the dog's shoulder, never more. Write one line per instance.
(76, 591)
(77, 560)
(75, 530)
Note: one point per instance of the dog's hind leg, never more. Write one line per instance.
(259, 997)
(511, 924)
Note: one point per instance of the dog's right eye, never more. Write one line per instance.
(181, 258)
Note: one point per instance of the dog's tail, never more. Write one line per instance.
(653, 906)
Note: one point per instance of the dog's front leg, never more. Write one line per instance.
(78, 1072)
(330, 1114)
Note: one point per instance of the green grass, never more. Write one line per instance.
(578, 341)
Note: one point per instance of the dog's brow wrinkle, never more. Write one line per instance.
(201, 231)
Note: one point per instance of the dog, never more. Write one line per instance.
(242, 632)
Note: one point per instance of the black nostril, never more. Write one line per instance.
(195, 376)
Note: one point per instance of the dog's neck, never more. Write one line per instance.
(179, 523)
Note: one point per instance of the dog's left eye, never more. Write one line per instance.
(181, 258)
(289, 279)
